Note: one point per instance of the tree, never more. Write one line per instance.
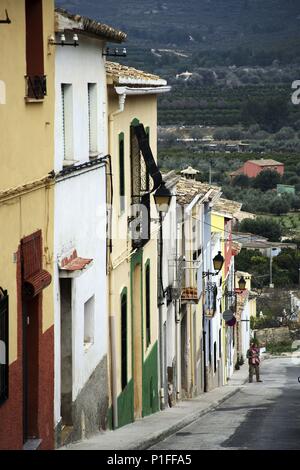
(242, 181)
(285, 133)
(267, 179)
(280, 206)
(262, 226)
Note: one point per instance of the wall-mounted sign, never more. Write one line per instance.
(227, 315)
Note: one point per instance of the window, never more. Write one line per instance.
(124, 338)
(3, 346)
(36, 81)
(67, 121)
(122, 172)
(92, 110)
(89, 320)
(148, 305)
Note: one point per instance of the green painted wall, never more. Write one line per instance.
(125, 408)
(150, 382)
(125, 405)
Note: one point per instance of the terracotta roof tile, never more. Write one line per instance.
(267, 162)
(74, 262)
(67, 21)
(123, 75)
(187, 190)
(227, 206)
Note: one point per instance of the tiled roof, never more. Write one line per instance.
(267, 162)
(227, 206)
(67, 21)
(123, 75)
(187, 190)
(74, 262)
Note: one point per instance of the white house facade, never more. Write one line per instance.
(80, 238)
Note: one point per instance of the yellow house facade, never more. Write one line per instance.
(132, 269)
(26, 218)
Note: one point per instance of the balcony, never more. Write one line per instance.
(189, 295)
(36, 88)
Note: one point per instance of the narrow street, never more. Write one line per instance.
(260, 416)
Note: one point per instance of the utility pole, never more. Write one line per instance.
(271, 268)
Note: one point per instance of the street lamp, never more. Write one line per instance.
(218, 262)
(242, 283)
(162, 198)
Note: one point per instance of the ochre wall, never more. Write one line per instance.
(26, 155)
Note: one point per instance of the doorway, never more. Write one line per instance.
(137, 340)
(66, 366)
(31, 263)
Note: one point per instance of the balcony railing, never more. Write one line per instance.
(190, 295)
(36, 87)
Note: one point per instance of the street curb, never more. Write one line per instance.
(161, 435)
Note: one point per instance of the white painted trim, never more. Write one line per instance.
(129, 91)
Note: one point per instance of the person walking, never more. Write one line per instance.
(254, 362)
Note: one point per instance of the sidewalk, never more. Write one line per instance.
(146, 432)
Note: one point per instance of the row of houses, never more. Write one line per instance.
(114, 277)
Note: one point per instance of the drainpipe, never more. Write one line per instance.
(178, 322)
(160, 314)
(112, 317)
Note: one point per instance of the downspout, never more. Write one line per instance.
(178, 322)
(161, 325)
(112, 316)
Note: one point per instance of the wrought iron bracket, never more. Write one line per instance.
(7, 20)
(209, 273)
(114, 53)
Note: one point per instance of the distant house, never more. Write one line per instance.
(252, 168)
(286, 189)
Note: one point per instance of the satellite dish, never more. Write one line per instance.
(228, 315)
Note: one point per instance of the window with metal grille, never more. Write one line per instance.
(124, 338)
(3, 346)
(121, 172)
(36, 80)
(92, 111)
(67, 121)
(140, 194)
(148, 305)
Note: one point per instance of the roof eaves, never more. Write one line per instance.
(65, 21)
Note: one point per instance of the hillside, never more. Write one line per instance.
(225, 30)
(233, 49)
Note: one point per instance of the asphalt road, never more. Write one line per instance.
(262, 416)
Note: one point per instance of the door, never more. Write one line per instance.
(66, 351)
(137, 341)
(31, 259)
